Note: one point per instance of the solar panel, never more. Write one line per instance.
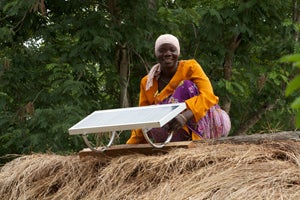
(144, 117)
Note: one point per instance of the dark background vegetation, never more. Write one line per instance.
(62, 59)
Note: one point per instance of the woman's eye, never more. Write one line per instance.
(173, 50)
(165, 50)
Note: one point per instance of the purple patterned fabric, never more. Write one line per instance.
(216, 123)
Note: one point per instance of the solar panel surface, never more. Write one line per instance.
(127, 118)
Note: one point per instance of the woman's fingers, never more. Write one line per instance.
(176, 123)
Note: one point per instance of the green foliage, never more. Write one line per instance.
(257, 79)
(59, 61)
(294, 84)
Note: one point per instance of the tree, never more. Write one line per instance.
(244, 41)
(294, 85)
(61, 60)
(246, 38)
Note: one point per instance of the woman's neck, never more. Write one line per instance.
(168, 73)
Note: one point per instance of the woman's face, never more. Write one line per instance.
(167, 56)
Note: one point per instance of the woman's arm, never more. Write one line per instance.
(200, 104)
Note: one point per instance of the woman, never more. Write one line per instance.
(173, 81)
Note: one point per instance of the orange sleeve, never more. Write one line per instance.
(200, 104)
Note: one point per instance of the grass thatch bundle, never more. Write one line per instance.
(222, 171)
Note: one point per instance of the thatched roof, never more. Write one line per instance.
(270, 170)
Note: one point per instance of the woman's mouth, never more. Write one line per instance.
(168, 61)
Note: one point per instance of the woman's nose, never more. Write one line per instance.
(167, 53)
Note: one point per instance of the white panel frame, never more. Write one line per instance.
(79, 127)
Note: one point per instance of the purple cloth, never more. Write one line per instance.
(216, 123)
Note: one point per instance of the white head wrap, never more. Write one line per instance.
(169, 39)
(155, 70)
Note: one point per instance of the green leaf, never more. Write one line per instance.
(298, 120)
(295, 58)
(10, 5)
(228, 85)
(292, 86)
(215, 13)
(239, 87)
(296, 103)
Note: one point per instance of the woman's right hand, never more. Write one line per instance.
(180, 120)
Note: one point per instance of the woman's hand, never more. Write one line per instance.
(180, 120)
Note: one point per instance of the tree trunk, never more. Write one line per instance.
(152, 4)
(227, 66)
(122, 58)
(253, 119)
(123, 66)
(296, 18)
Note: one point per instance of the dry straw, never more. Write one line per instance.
(223, 171)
